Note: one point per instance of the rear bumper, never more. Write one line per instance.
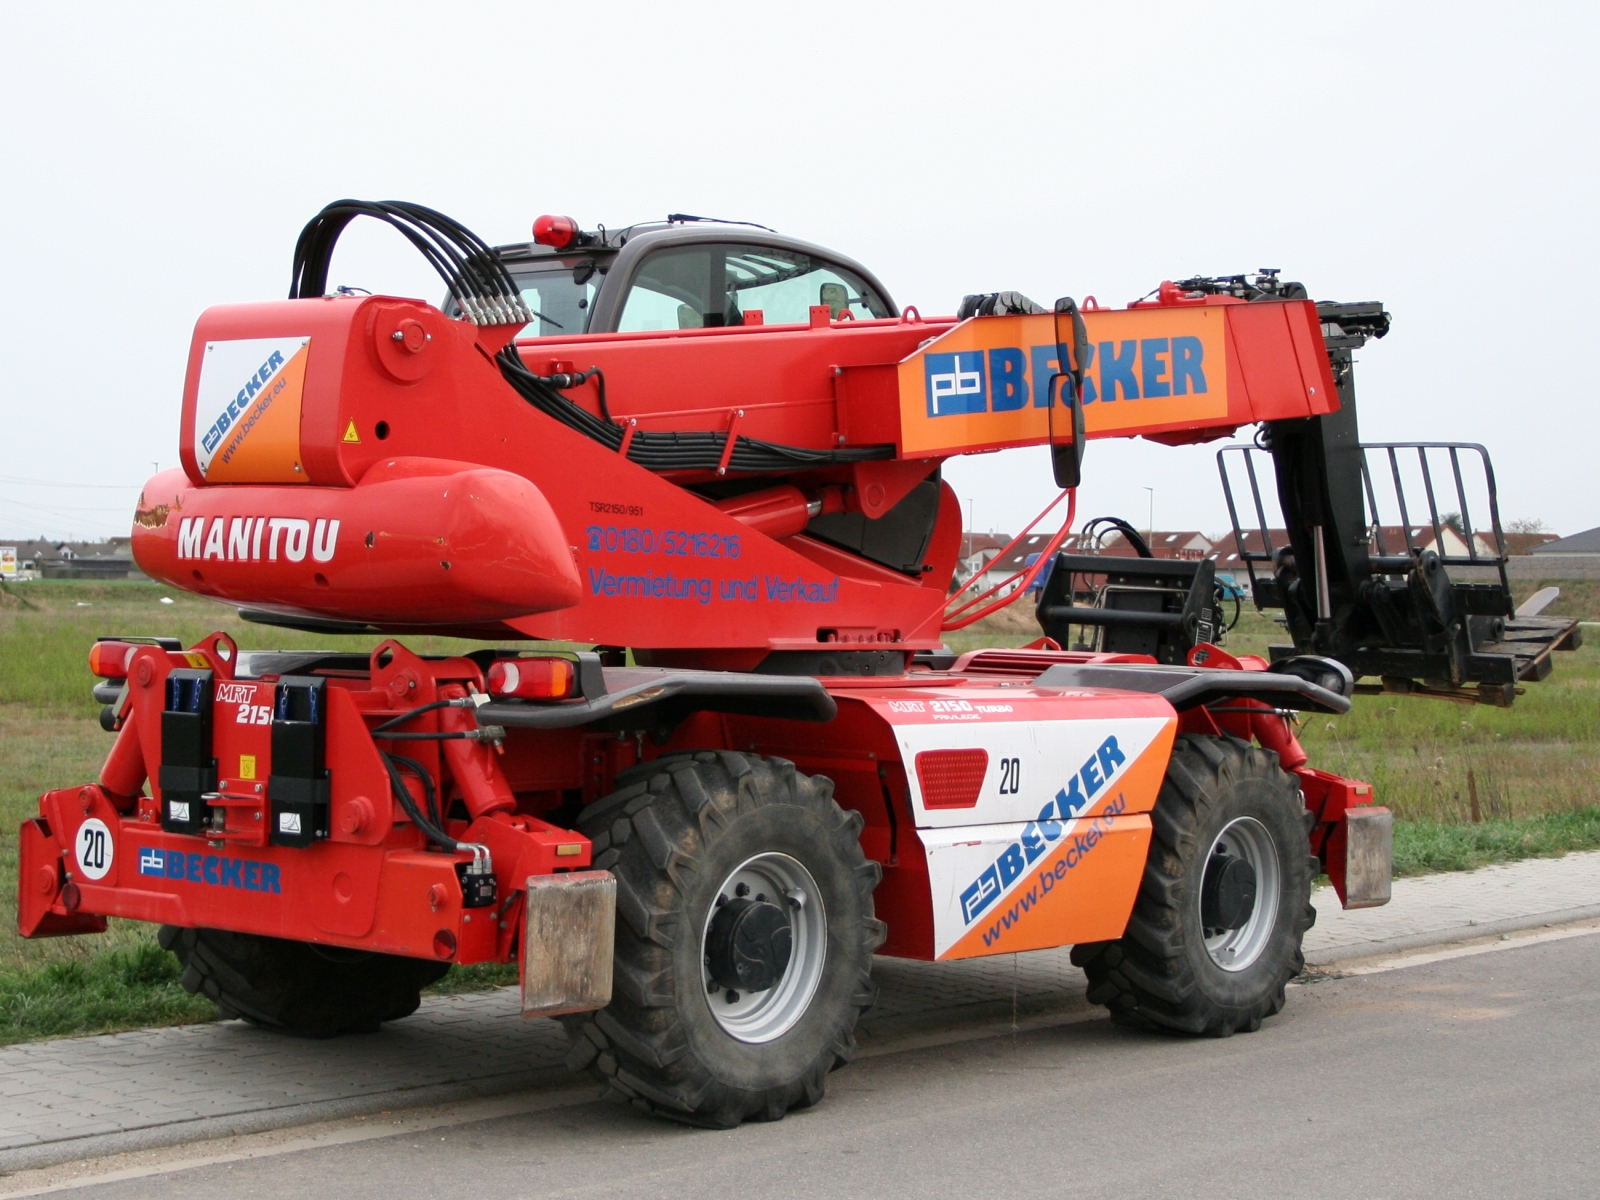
(82, 860)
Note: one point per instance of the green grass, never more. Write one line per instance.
(125, 987)
(478, 977)
(1534, 767)
(1422, 847)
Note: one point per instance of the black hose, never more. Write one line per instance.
(454, 735)
(470, 267)
(1133, 536)
(692, 451)
(415, 712)
(430, 830)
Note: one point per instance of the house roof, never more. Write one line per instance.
(1227, 547)
(1165, 544)
(1034, 543)
(1587, 542)
(1521, 543)
(978, 543)
(54, 548)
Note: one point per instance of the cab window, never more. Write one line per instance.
(694, 287)
(559, 296)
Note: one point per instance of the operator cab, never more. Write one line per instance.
(684, 273)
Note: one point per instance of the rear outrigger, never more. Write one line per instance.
(712, 454)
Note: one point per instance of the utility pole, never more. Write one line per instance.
(1150, 528)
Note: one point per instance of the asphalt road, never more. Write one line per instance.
(1476, 1076)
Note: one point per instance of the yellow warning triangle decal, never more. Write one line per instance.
(350, 434)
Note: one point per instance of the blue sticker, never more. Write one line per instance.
(955, 383)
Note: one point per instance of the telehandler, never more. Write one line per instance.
(710, 455)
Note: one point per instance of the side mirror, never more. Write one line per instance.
(1066, 459)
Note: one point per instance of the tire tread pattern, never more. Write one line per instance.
(1146, 977)
(652, 840)
(297, 988)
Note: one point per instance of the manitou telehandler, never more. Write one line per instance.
(711, 454)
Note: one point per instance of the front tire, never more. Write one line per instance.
(744, 938)
(1216, 930)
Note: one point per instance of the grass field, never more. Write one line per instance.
(1534, 768)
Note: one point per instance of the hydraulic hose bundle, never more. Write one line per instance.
(487, 295)
(431, 824)
(692, 451)
(469, 266)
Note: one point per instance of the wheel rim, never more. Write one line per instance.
(761, 1016)
(1234, 947)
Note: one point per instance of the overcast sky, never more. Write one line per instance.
(1438, 157)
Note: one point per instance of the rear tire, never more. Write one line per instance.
(696, 842)
(1212, 959)
(296, 987)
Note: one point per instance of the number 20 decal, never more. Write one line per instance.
(95, 849)
(1010, 776)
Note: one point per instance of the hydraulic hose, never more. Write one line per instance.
(690, 451)
(402, 793)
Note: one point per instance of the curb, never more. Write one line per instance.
(48, 1154)
(155, 1137)
(1456, 933)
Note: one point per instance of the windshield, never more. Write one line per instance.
(694, 287)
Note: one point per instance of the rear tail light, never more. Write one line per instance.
(559, 232)
(533, 678)
(109, 660)
(952, 778)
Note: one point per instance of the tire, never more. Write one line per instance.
(298, 988)
(1222, 800)
(681, 835)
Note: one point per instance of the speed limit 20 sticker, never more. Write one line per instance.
(95, 849)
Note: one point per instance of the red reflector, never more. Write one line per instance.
(444, 943)
(109, 660)
(559, 232)
(533, 678)
(71, 897)
(951, 778)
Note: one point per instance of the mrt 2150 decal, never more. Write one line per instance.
(1049, 848)
(247, 410)
(990, 380)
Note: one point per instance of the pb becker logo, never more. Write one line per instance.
(1008, 378)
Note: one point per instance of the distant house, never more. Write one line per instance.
(1024, 555)
(1391, 540)
(1522, 543)
(1186, 544)
(1388, 540)
(1587, 542)
(110, 559)
(1230, 550)
(977, 551)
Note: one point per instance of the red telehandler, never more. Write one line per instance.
(711, 454)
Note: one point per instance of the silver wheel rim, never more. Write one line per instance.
(1236, 949)
(758, 1017)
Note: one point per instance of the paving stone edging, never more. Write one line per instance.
(91, 1097)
